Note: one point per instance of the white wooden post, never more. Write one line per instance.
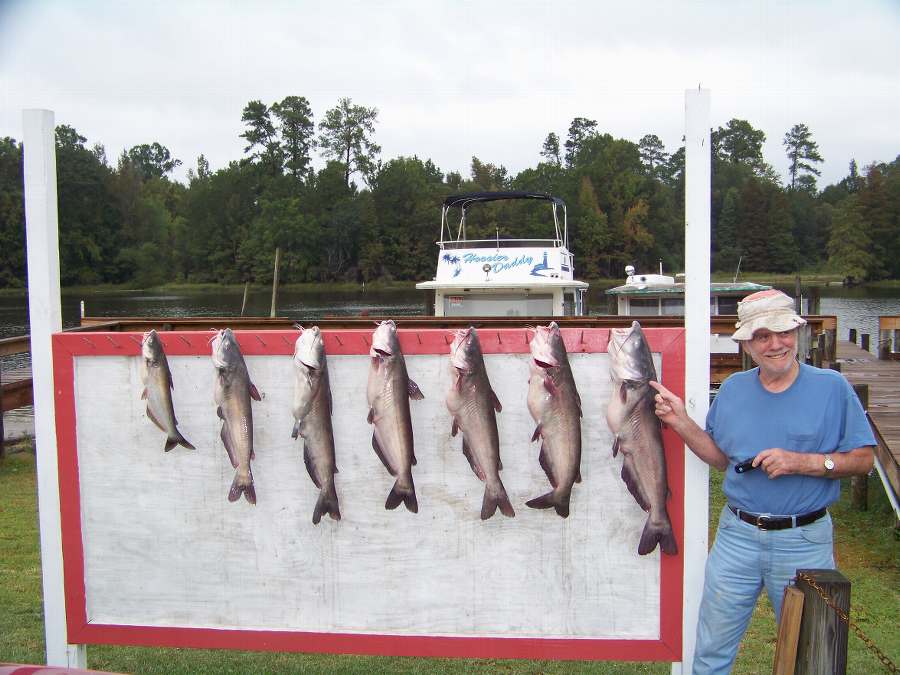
(696, 387)
(45, 314)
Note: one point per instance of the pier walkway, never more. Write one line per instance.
(883, 379)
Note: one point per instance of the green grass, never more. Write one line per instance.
(867, 553)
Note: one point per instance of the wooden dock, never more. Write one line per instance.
(883, 380)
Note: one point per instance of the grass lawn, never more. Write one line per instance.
(868, 553)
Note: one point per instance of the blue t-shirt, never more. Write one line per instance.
(818, 413)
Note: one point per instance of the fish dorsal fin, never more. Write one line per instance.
(254, 393)
(496, 402)
(414, 392)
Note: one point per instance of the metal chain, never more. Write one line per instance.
(842, 615)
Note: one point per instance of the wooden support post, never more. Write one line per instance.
(822, 352)
(884, 345)
(275, 283)
(822, 647)
(852, 337)
(798, 298)
(864, 341)
(2, 449)
(788, 632)
(815, 300)
(859, 485)
(244, 301)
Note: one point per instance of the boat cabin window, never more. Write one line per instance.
(672, 306)
(644, 306)
(728, 305)
(569, 303)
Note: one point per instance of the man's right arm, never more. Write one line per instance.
(670, 410)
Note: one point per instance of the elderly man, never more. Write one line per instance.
(783, 433)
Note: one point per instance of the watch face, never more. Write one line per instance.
(829, 464)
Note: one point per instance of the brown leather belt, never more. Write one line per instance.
(778, 522)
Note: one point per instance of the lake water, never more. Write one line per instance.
(857, 308)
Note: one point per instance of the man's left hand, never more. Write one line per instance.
(780, 462)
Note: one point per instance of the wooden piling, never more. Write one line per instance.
(244, 301)
(864, 341)
(822, 646)
(859, 485)
(275, 283)
(852, 337)
(788, 632)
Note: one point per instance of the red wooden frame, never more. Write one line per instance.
(669, 342)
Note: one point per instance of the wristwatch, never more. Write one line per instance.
(829, 465)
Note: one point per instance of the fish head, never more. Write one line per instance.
(630, 355)
(225, 350)
(385, 342)
(546, 346)
(151, 347)
(465, 352)
(309, 350)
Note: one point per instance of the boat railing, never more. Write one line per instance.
(495, 242)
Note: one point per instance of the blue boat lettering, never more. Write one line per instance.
(492, 259)
(522, 260)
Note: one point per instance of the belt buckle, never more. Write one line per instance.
(761, 522)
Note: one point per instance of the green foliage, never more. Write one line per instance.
(346, 135)
(132, 224)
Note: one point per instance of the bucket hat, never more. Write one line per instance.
(770, 309)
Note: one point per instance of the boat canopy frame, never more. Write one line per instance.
(465, 200)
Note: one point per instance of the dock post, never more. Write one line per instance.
(275, 282)
(822, 647)
(884, 345)
(852, 337)
(864, 341)
(859, 485)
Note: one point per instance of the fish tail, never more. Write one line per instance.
(327, 503)
(495, 496)
(242, 484)
(658, 532)
(403, 491)
(184, 443)
(553, 499)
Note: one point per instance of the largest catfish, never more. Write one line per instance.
(388, 391)
(638, 435)
(233, 393)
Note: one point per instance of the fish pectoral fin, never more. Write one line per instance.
(578, 475)
(623, 392)
(631, 482)
(229, 446)
(144, 394)
(296, 431)
(537, 433)
(467, 451)
(153, 419)
(454, 428)
(544, 460)
(370, 418)
(414, 392)
(378, 451)
(578, 401)
(254, 393)
(496, 402)
(549, 386)
(308, 461)
(615, 447)
(219, 413)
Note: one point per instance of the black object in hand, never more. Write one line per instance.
(746, 465)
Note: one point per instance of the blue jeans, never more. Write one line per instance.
(743, 560)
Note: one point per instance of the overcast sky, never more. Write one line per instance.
(453, 79)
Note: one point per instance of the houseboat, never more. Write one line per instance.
(662, 295)
(500, 275)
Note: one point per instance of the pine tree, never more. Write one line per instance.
(802, 152)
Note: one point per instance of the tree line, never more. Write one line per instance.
(361, 218)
